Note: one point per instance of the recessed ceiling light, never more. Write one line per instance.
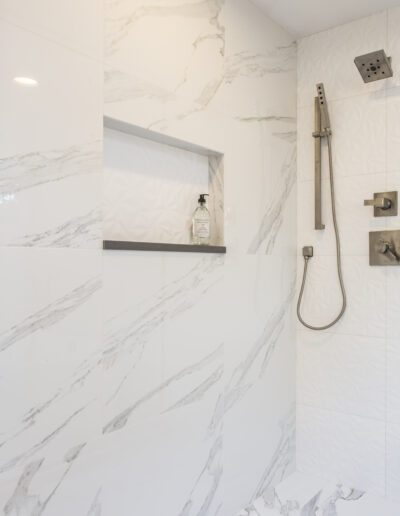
(26, 81)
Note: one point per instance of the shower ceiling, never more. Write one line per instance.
(304, 17)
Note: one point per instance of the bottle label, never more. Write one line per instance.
(202, 228)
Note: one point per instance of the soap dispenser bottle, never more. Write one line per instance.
(201, 223)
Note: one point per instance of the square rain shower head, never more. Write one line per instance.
(374, 66)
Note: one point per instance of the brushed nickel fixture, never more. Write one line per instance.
(385, 204)
(317, 174)
(384, 247)
(322, 130)
(374, 66)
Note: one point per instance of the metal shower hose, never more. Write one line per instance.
(338, 255)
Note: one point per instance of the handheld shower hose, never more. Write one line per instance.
(338, 252)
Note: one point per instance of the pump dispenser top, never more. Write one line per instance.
(202, 198)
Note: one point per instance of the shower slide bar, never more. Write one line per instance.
(317, 178)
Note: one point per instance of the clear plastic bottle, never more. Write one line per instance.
(201, 223)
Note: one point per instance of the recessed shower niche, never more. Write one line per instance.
(151, 186)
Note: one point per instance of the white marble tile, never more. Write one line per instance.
(342, 373)
(62, 111)
(328, 57)
(332, 445)
(274, 230)
(197, 35)
(214, 59)
(259, 57)
(302, 494)
(256, 361)
(136, 299)
(140, 462)
(50, 330)
(143, 381)
(52, 198)
(73, 24)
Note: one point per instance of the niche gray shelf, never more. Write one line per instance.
(120, 245)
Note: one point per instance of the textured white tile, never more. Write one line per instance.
(355, 122)
(342, 373)
(63, 110)
(393, 380)
(333, 446)
(74, 24)
(150, 189)
(393, 130)
(359, 134)
(393, 44)
(392, 184)
(366, 312)
(328, 57)
(393, 461)
(393, 302)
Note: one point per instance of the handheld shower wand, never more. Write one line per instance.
(323, 130)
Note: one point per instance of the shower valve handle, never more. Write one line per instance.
(388, 249)
(384, 203)
(379, 202)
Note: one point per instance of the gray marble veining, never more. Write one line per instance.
(121, 419)
(22, 502)
(303, 495)
(31, 450)
(95, 508)
(204, 491)
(272, 220)
(50, 314)
(281, 463)
(24, 171)
(119, 87)
(77, 232)
(117, 29)
(260, 353)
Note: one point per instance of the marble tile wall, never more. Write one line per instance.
(348, 404)
(138, 383)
